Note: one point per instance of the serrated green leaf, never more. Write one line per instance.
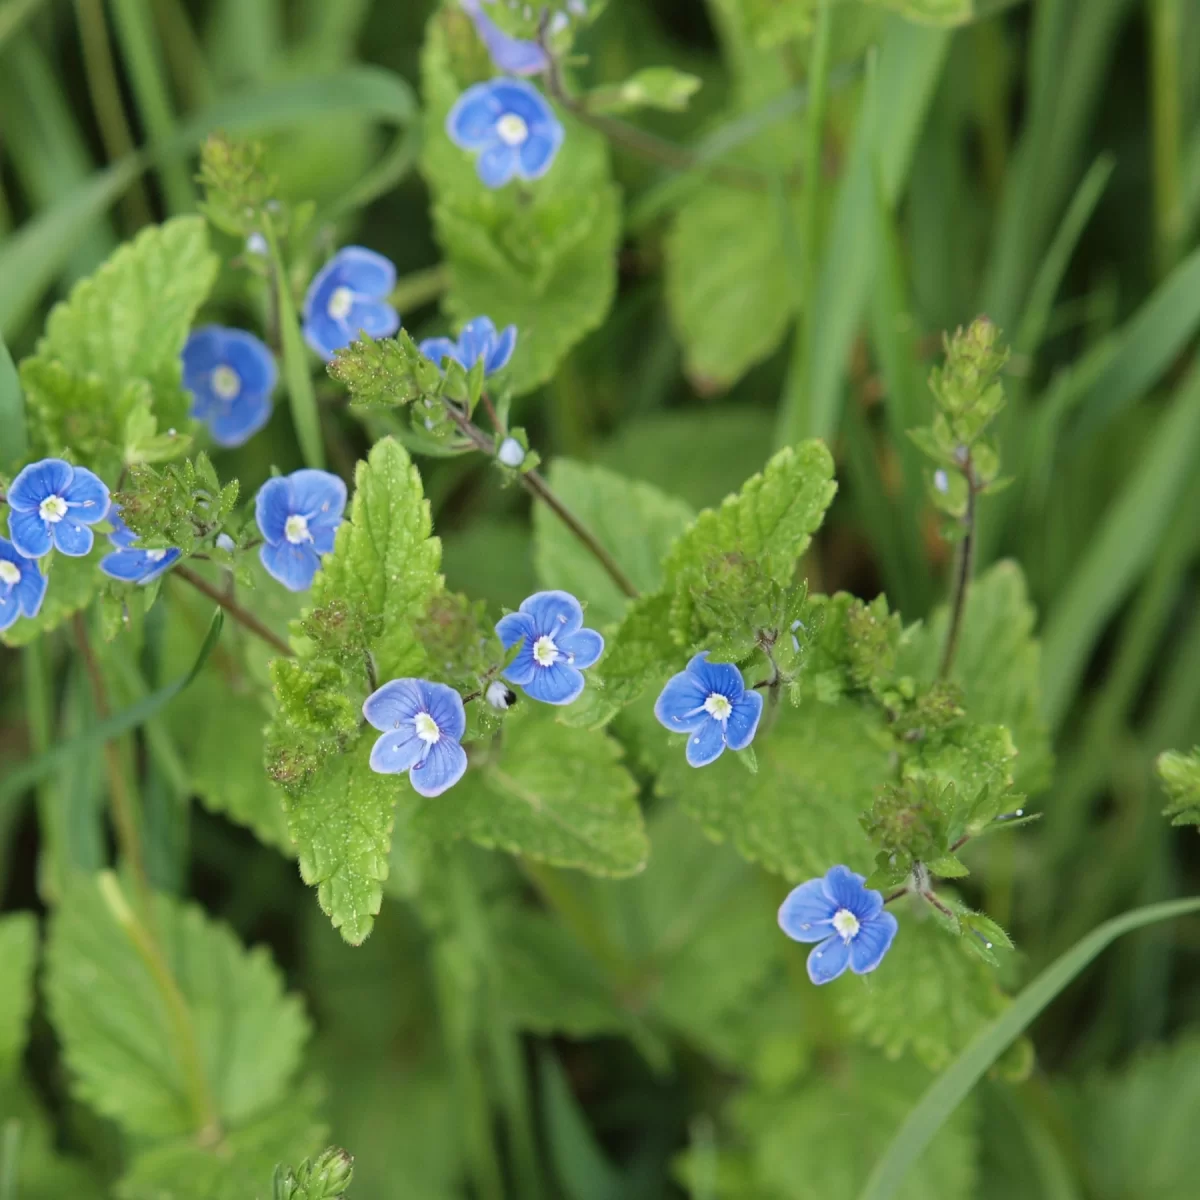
(239, 1165)
(540, 255)
(554, 794)
(635, 522)
(18, 953)
(117, 1030)
(817, 771)
(928, 998)
(71, 585)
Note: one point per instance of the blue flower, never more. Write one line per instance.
(710, 701)
(514, 55)
(231, 375)
(421, 725)
(348, 295)
(478, 340)
(22, 585)
(555, 649)
(130, 563)
(511, 126)
(298, 515)
(53, 503)
(847, 919)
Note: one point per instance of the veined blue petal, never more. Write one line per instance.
(475, 340)
(873, 940)
(318, 496)
(272, 507)
(723, 678)
(50, 477)
(86, 497)
(806, 914)
(557, 684)
(445, 706)
(72, 538)
(536, 155)
(680, 705)
(394, 703)
(512, 627)
(828, 960)
(374, 318)
(522, 668)
(742, 724)
(497, 164)
(121, 536)
(556, 613)
(29, 533)
(396, 750)
(470, 124)
(443, 767)
(31, 590)
(502, 350)
(251, 359)
(706, 744)
(583, 647)
(438, 349)
(235, 423)
(326, 336)
(10, 608)
(292, 565)
(846, 890)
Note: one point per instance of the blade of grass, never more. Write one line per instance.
(950, 1088)
(14, 441)
(1121, 549)
(13, 15)
(579, 1163)
(1166, 111)
(30, 772)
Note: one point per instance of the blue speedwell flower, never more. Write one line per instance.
(231, 375)
(421, 725)
(555, 648)
(22, 585)
(847, 919)
(510, 125)
(711, 702)
(298, 515)
(53, 503)
(514, 55)
(131, 563)
(478, 340)
(348, 295)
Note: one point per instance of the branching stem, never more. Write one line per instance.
(962, 574)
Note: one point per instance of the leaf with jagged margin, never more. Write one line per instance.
(634, 522)
(998, 666)
(18, 953)
(116, 1027)
(551, 793)
(540, 255)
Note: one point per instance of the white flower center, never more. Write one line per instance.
(155, 555)
(718, 707)
(340, 303)
(295, 529)
(226, 383)
(545, 652)
(53, 509)
(512, 129)
(846, 923)
(10, 573)
(427, 728)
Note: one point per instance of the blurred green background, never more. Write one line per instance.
(1042, 165)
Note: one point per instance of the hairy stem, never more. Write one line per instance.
(962, 578)
(246, 619)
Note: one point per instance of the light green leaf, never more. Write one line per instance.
(240, 1165)
(117, 1028)
(651, 87)
(18, 953)
(1180, 777)
(43, 1172)
(635, 522)
(998, 666)
(554, 794)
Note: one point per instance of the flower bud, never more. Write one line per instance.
(511, 452)
(500, 696)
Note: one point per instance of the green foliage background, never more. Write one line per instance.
(564, 977)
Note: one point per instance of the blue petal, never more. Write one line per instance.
(86, 497)
(394, 704)
(235, 423)
(272, 507)
(583, 647)
(122, 536)
(536, 154)
(470, 124)
(318, 496)
(72, 538)
(475, 340)
(523, 99)
(50, 477)
(202, 354)
(293, 566)
(324, 537)
(723, 678)
(126, 565)
(10, 608)
(396, 750)
(680, 705)
(438, 349)
(515, 55)
(502, 350)
(706, 744)
(31, 590)
(442, 769)
(512, 627)
(556, 684)
(164, 564)
(828, 960)
(325, 335)
(445, 706)
(873, 940)
(497, 165)
(846, 890)
(251, 359)
(374, 318)
(29, 533)
(555, 613)
(524, 667)
(742, 724)
(806, 913)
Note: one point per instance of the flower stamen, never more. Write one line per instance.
(340, 303)
(225, 382)
(52, 509)
(846, 923)
(545, 652)
(10, 573)
(427, 728)
(718, 707)
(512, 129)
(295, 529)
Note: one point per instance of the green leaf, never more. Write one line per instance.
(554, 794)
(119, 1030)
(928, 998)
(130, 320)
(43, 1172)
(13, 436)
(539, 255)
(998, 666)
(237, 1166)
(635, 522)
(18, 953)
(652, 87)
(1180, 776)
(937, 1105)
(325, 1178)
